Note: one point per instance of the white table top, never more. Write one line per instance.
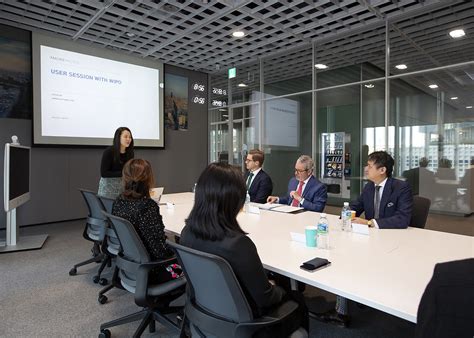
(387, 270)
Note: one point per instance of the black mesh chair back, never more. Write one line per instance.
(133, 251)
(230, 302)
(216, 304)
(133, 271)
(113, 244)
(110, 247)
(96, 221)
(107, 203)
(419, 214)
(94, 231)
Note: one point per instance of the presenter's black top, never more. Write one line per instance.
(109, 167)
(241, 253)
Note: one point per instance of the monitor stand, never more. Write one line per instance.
(13, 242)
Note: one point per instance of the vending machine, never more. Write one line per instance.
(336, 163)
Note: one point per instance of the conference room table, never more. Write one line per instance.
(387, 270)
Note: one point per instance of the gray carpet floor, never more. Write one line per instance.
(38, 298)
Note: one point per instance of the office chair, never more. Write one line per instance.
(110, 246)
(216, 305)
(107, 203)
(419, 214)
(444, 306)
(333, 188)
(94, 231)
(132, 274)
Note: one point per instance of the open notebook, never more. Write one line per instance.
(156, 193)
(278, 207)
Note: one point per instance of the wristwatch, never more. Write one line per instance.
(370, 223)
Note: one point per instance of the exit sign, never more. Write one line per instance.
(232, 73)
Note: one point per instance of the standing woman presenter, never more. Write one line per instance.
(113, 160)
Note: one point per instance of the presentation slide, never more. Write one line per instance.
(85, 98)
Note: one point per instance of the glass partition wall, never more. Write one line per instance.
(406, 87)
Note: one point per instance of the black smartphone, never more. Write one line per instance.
(315, 264)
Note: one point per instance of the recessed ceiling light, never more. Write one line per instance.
(454, 98)
(457, 33)
(320, 66)
(130, 34)
(242, 85)
(221, 109)
(402, 66)
(238, 34)
(468, 107)
(369, 85)
(433, 86)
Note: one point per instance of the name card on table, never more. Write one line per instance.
(169, 205)
(253, 209)
(297, 237)
(362, 229)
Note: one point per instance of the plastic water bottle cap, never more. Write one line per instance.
(323, 214)
(346, 204)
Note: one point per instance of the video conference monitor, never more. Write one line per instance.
(16, 176)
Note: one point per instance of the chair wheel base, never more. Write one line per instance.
(105, 334)
(103, 281)
(73, 272)
(102, 299)
(96, 279)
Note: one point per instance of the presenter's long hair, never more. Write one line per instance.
(129, 152)
(220, 195)
(137, 179)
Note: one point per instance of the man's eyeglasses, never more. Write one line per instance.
(300, 170)
(249, 160)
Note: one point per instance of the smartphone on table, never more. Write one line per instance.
(315, 264)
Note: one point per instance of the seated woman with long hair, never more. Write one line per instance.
(136, 206)
(212, 227)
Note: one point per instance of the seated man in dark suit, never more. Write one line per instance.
(304, 190)
(387, 204)
(446, 307)
(259, 184)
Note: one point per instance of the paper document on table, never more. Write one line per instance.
(253, 209)
(360, 228)
(286, 208)
(266, 206)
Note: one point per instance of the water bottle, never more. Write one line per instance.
(323, 232)
(346, 217)
(247, 202)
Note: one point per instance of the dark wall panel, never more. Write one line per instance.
(57, 173)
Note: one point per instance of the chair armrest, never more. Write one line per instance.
(143, 274)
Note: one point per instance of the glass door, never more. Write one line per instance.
(244, 132)
(233, 147)
(219, 135)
